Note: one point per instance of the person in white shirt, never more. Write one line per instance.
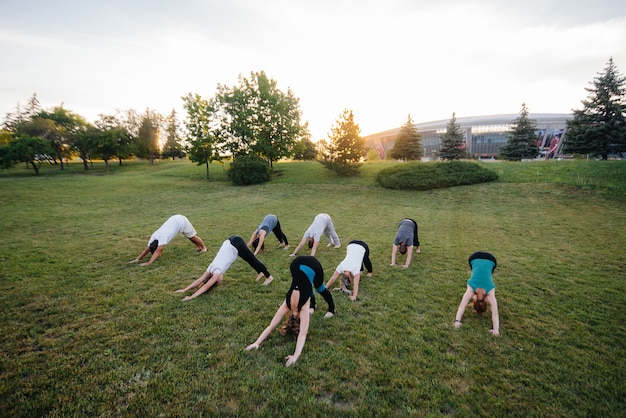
(357, 256)
(176, 224)
(231, 248)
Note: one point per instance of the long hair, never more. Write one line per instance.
(292, 324)
(480, 304)
(311, 242)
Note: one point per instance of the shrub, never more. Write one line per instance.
(249, 169)
(426, 176)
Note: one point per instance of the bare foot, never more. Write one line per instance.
(268, 281)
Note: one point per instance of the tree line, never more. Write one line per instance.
(252, 118)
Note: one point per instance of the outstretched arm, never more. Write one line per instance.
(278, 316)
(332, 279)
(355, 287)
(394, 251)
(155, 255)
(300, 245)
(495, 318)
(409, 257)
(467, 296)
(252, 239)
(315, 245)
(304, 329)
(214, 279)
(142, 255)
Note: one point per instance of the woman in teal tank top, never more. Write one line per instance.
(481, 288)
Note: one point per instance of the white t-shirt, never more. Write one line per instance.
(176, 224)
(318, 227)
(224, 258)
(353, 260)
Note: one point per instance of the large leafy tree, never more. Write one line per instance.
(32, 150)
(408, 145)
(345, 147)
(59, 126)
(599, 128)
(453, 141)
(201, 133)
(258, 118)
(522, 141)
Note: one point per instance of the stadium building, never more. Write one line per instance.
(483, 135)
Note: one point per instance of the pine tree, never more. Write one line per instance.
(408, 145)
(345, 147)
(452, 142)
(172, 147)
(522, 142)
(599, 128)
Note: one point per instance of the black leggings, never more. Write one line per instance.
(279, 233)
(247, 255)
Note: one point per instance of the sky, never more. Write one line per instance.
(383, 60)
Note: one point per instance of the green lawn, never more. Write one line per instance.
(85, 333)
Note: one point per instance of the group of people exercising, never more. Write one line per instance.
(307, 273)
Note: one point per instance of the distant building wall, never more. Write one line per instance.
(484, 135)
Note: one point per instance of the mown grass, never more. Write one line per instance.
(84, 333)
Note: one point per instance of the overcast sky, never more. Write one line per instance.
(381, 59)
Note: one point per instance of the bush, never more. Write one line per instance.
(249, 169)
(426, 176)
(343, 169)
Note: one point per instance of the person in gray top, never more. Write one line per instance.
(269, 224)
(322, 225)
(406, 239)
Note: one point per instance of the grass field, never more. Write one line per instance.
(85, 333)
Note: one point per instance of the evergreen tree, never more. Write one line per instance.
(345, 147)
(522, 142)
(452, 142)
(408, 145)
(599, 128)
(172, 147)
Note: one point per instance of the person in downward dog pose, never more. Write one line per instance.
(357, 256)
(406, 239)
(269, 224)
(176, 224)
(299, 304)
(322, 224)
(481, 289)
(231, 248)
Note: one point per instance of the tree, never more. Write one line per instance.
(522, 141)
(203, 140)
(32, 150)
(408, 145)
(599, 128)
(172, 147)
(304, 149)
(258, 118)
(11, 120)
(59, 126)
(148, 135)
(345, 148)
(452, 142)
